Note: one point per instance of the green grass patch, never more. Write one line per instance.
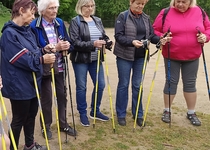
(155, 135)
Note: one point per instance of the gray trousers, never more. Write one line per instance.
(188, 70)
(47, 99)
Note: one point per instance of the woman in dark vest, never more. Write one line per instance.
(133, 31)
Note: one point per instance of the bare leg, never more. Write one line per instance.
(190, 100)
(166, 113)
(166, 100)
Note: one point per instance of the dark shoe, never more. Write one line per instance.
(194, 119)
(84, 120)
(139, 121)
(48, 132)
(99, 116)
(69, 130)
(166, 117)
(35, 146)
(121, 121)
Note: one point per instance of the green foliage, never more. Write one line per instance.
(4, 11)
(67, 9)
(205, 4)
(108, 10)
(4, 16)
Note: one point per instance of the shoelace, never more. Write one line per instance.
(194, 117)
(37, 145)
(66, 129)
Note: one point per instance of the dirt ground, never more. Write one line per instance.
(156, 103)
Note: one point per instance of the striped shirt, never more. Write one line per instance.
(94, 35)
(52, 38)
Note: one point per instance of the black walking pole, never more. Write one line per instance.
(204, 63)
(169, 79)
(66, 70)
(70, 95)
(65, 88)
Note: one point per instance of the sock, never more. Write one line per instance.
(166, 109)
(190, 112)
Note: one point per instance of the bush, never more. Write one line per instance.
(4, 11)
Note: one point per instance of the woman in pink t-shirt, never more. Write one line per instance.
(188, 29)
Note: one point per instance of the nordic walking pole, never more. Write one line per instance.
(96, 88)
(206, 73)
(109, 88)
(70, 95)
(8, 122)
(204, 63)
(169, 80)
(141, 86)
(56, 107)
(40, 107)
(2, 132)
(64, 83)
(152, 84)
(66, 70)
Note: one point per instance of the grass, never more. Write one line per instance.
(155, 136)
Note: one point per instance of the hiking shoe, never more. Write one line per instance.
(69, 130)
(84, 120)
(121, 121)
(48, 132)
(35, 146)
(194, 119)
(166, 117)
(99, 116)
(139, 121)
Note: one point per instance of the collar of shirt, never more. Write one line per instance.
(46, 23)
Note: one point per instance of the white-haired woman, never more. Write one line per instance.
(50, 29)
(20, 56)
(190, 29)
(85, 31)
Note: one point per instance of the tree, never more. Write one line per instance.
(108, 10)
(67, 9)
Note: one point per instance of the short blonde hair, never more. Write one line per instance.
(43, 4)
(81, 3)
(193, 3)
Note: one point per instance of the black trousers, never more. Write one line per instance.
(23, 115)
(46, 100)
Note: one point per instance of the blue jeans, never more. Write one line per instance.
(124, 71)
(81, 70)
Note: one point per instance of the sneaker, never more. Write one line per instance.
(121, 121)
(69, 130)
(166, 117)
(48, 132)
(99, 116)
(35, 146)
(84, 120)
(194, 119)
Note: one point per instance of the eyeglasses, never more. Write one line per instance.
(89, 6)
(53, 8)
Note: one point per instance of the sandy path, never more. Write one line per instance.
(156, 104)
